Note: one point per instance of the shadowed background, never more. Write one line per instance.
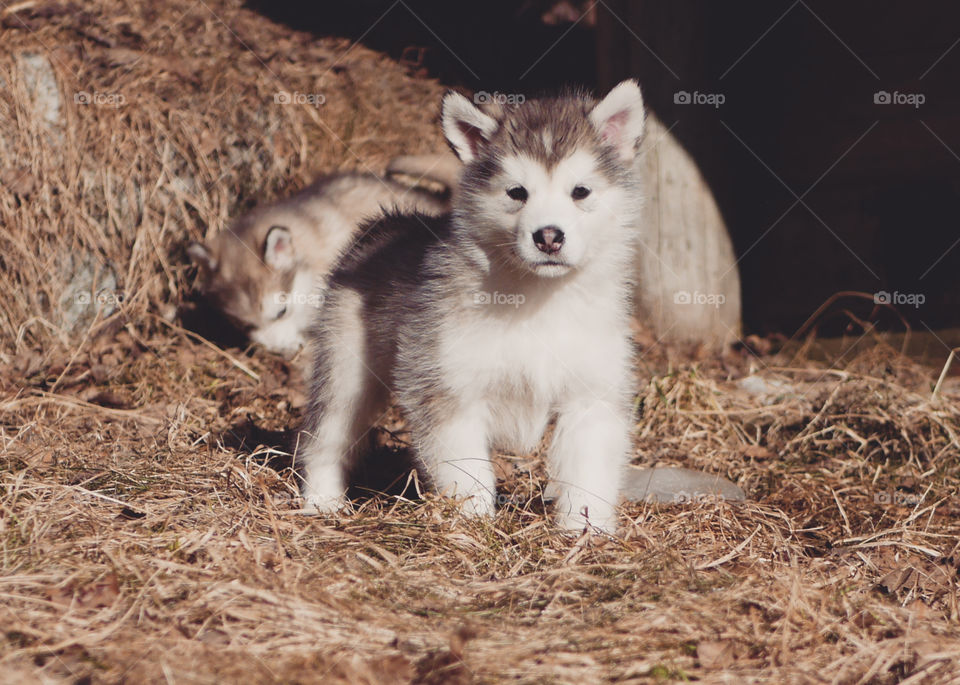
(879, 183)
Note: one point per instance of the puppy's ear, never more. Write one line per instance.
(619, 118)
(465, 126)
(278, 248)
(201, 256)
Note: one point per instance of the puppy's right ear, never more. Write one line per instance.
(465, 126)
(201, 256)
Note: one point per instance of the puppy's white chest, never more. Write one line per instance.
(540, 356)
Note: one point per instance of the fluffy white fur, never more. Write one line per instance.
(480, 335)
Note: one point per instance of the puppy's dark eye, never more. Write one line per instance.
(283, 312)
(580, 192)
(518, 193)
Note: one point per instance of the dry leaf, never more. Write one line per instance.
(758, 452)
(102, 593)
(18, 180)
(459, 639)
(715, 655)
(896, 579)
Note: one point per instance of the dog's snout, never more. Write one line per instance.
(548, 239)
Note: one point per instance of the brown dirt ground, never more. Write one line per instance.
(148, 525)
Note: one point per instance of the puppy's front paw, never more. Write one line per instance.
(600, 518)
(324, 503)
(478, 505)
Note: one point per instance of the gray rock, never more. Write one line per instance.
(678, 485)
(767, 390)
(46, 102)
(91, 288)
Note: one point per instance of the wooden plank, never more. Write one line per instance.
(688, 284)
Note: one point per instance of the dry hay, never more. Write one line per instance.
(138, 543)
(127, 129)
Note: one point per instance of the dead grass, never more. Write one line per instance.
(168, 121)
(137, 546)
(138, 543)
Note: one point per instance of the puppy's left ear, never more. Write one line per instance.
(465, 126)
(619, 118)
(278, 248)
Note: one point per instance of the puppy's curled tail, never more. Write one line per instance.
(439, 173)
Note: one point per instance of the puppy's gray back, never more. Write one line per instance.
(410, 283)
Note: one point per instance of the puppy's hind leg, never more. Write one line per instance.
(345, 395)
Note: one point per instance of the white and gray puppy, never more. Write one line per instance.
(485, 324)
(265, 270)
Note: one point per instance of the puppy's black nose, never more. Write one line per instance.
(548, 239)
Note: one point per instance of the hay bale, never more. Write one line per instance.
(137, 135)
(688, 283)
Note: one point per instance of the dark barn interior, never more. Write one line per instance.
(824, 190)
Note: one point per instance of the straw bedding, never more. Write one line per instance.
(148, 525)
